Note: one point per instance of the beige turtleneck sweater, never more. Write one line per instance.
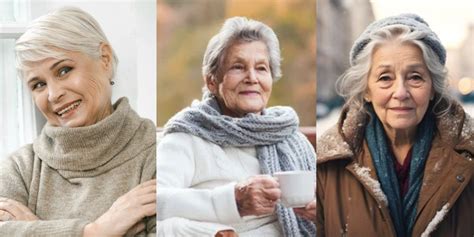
(70, 176)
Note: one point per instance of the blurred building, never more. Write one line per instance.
(339, 23)
(466, 54)
(460, 64)
(466, 66)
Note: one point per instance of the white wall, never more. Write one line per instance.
(130, 26)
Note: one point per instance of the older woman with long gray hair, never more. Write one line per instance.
(216, 158)
(90, 171)
(399, 161)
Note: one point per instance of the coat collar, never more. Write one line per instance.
(345, 139)
(450, 160)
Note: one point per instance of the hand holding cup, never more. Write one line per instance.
(258, 195)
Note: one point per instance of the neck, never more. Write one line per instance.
(401, 141)
(105, 113)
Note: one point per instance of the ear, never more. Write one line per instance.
(367, 97)
(211, 84)
(106, 56)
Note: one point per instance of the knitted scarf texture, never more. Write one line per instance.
(402, 211)
(280, 146)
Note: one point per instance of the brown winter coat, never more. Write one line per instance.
(349, 197)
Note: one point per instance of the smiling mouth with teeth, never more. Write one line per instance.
(69, 108)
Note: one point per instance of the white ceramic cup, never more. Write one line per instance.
(297, 187)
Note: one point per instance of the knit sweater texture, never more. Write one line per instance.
(69, 177)
(196, 181)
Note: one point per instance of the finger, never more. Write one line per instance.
(300, 212)
(309, 215)
(11, 208)
(148, 183)
(20, 206)
(135, 229)
(272, 194)
(299, 209)
(18, 210)
(311, 205)
(147, 199)
(148, 188)
(137, 198)
(6, 216)
(149, 209)
(266, 181)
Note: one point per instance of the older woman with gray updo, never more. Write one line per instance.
(215, 159)
(399, 161)
(90, 171)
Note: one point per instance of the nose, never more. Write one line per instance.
(55, 91)
(252, 76)
(401, 91)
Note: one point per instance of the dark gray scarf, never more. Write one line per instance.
(402, 210)
(280, 146)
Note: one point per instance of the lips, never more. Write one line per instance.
(64, 109)
(249, 92)
(402, 109)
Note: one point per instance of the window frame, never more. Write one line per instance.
(30, 120)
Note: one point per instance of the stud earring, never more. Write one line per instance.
(112, 83)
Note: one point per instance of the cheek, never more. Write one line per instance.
(41, 101)
(422, 99)
(380, 98)
(95, 87)
(268, 86)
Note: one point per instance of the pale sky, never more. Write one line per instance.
(449, 19)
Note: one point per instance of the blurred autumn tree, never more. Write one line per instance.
(185, 27)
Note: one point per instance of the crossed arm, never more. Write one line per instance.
(124, 217)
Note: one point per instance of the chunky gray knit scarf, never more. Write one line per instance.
(280, 146)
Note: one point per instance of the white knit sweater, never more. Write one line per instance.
(195, 190)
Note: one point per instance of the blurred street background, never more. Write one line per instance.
(340, 22)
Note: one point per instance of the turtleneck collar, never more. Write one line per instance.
(96, 148)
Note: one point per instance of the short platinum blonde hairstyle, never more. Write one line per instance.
(352, 85)
(235, 30)
(65, 29)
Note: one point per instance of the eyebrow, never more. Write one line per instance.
(239, 59)
(383, 66)
(417, 65)
(56, 63)
(412, 66)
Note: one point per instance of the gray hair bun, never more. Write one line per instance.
(415, 22)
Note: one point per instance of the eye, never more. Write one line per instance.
(237, 66)
(416, 77)
(384, 78)
(37, 85)
(64, 70)
(262, 68)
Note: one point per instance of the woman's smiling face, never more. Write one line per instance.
(73, 90)
(399, 85)
(245, 80)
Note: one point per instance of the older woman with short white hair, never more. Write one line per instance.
(90, 171)
(215, 161)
